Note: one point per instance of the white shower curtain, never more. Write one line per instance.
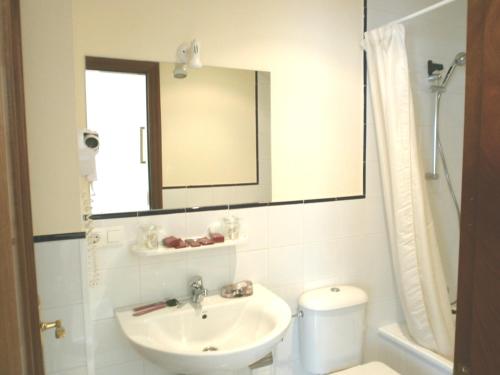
(416, 259)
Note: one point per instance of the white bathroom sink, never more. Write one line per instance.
(225, 334)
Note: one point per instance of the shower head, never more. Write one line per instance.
(460, 59)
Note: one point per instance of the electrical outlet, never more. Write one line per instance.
(94, 237)
(107, 236)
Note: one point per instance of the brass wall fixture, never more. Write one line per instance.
(60, 332)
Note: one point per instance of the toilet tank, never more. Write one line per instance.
(331, 325)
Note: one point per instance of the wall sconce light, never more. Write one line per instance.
(188, 55)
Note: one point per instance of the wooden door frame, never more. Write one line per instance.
(152, 72)
(20, 341)
(478, 310)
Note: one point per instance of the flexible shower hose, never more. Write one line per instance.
(447, 176)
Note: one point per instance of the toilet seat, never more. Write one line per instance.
(372, 368)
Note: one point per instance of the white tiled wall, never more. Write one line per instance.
(289, 249)
(61, 296)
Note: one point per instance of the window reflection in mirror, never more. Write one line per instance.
(117, 111)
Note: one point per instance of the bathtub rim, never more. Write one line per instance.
(398, 335)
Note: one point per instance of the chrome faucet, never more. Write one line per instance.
(198, 291)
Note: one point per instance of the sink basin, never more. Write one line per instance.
(225, 334)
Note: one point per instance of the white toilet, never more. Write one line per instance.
(331, 332)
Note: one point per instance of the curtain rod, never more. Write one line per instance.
(420, 12)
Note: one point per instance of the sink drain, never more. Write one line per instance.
(210, 349)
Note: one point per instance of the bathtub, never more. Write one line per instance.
(408, 358)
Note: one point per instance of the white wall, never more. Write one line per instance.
(212, 113)
(62, 291)
(212, 196)
(49, 84)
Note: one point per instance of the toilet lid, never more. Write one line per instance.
(372, 368)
